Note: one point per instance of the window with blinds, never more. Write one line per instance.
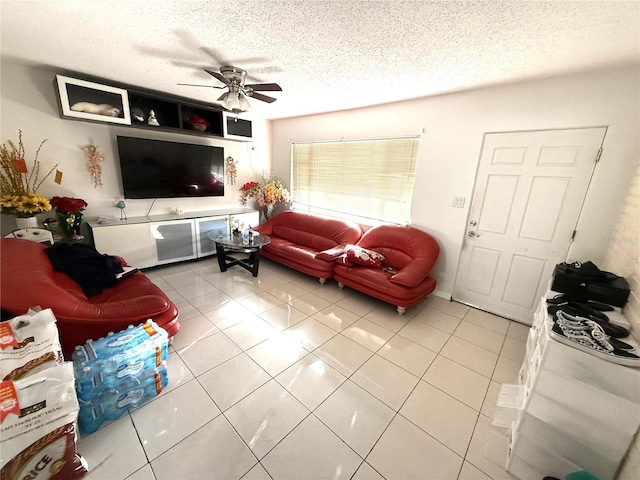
(372, 179)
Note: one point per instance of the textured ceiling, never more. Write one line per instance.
(326, 55)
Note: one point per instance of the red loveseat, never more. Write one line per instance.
(411, 254)
(298, 238)
(29, 280)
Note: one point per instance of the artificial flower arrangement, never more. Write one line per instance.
(94, 157)
(69, 211)
(267, 193)
(18, 185)
(236, 226)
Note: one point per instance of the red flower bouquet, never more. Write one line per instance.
(249, 190)
(68, 204)
(69, 212)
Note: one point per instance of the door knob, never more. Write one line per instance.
(473, 223)
(473, 234)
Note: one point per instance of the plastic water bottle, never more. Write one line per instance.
(245, 237)
(112, 403)
(110, 372)
(104, 363)
(119, 342)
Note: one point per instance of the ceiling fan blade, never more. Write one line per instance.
(214, 54)
(197, 85)
(264, 98)
(218, 76)
(265, 87)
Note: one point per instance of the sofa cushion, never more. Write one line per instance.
(301, 237)
(365, 257)
(376, 282)
(335, 231)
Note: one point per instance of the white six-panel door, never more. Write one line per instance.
(529, 191)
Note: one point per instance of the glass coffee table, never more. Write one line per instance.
(227, 244)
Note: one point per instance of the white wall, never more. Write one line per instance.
(623, 257)
(29, 103)
(452, 128)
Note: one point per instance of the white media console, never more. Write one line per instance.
(159, 239)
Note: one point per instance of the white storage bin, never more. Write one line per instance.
(590, 431)
(619, 380)
(546, 436)
(523, 470)
(589, 405)
(508, 406)
(533, 462)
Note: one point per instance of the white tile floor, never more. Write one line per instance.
(281, 377)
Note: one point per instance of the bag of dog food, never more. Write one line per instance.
(37, 427)
(29, 344)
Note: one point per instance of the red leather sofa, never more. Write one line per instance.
(298, 238)
(409, 255)
(316, 246)
(29, 280)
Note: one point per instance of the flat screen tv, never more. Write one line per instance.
(161, 169)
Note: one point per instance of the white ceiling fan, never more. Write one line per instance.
(235, 98)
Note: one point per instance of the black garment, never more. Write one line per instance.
(92, 270)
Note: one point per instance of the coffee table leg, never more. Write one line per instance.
(221, 257)
(254, 260)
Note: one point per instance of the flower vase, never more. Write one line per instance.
(23, 223)
(70, 225)
(266, 213)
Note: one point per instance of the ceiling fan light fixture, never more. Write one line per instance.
(232, 102)
(243, 103)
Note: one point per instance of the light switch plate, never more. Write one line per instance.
(458, 202)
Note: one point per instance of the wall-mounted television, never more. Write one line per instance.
(161, 169)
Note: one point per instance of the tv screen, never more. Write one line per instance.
(160, 169)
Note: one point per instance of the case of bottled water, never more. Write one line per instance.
(119, 371)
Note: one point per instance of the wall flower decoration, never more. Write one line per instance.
(94, 158)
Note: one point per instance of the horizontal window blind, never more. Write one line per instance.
(365, 178)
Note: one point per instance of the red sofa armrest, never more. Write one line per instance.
(143, 306)
(410, 276)
(332, 253)
(265, 228)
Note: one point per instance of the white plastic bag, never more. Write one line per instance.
(37, 426)
(29, 344)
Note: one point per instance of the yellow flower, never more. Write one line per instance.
(42, 202)
(33, 204)
(10, 201)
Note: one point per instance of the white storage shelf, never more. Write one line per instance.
(156, 240)
(572, 410)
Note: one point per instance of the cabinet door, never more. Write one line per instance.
(236, 128)
(204, 245)
(132, 242)
(174, 240)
